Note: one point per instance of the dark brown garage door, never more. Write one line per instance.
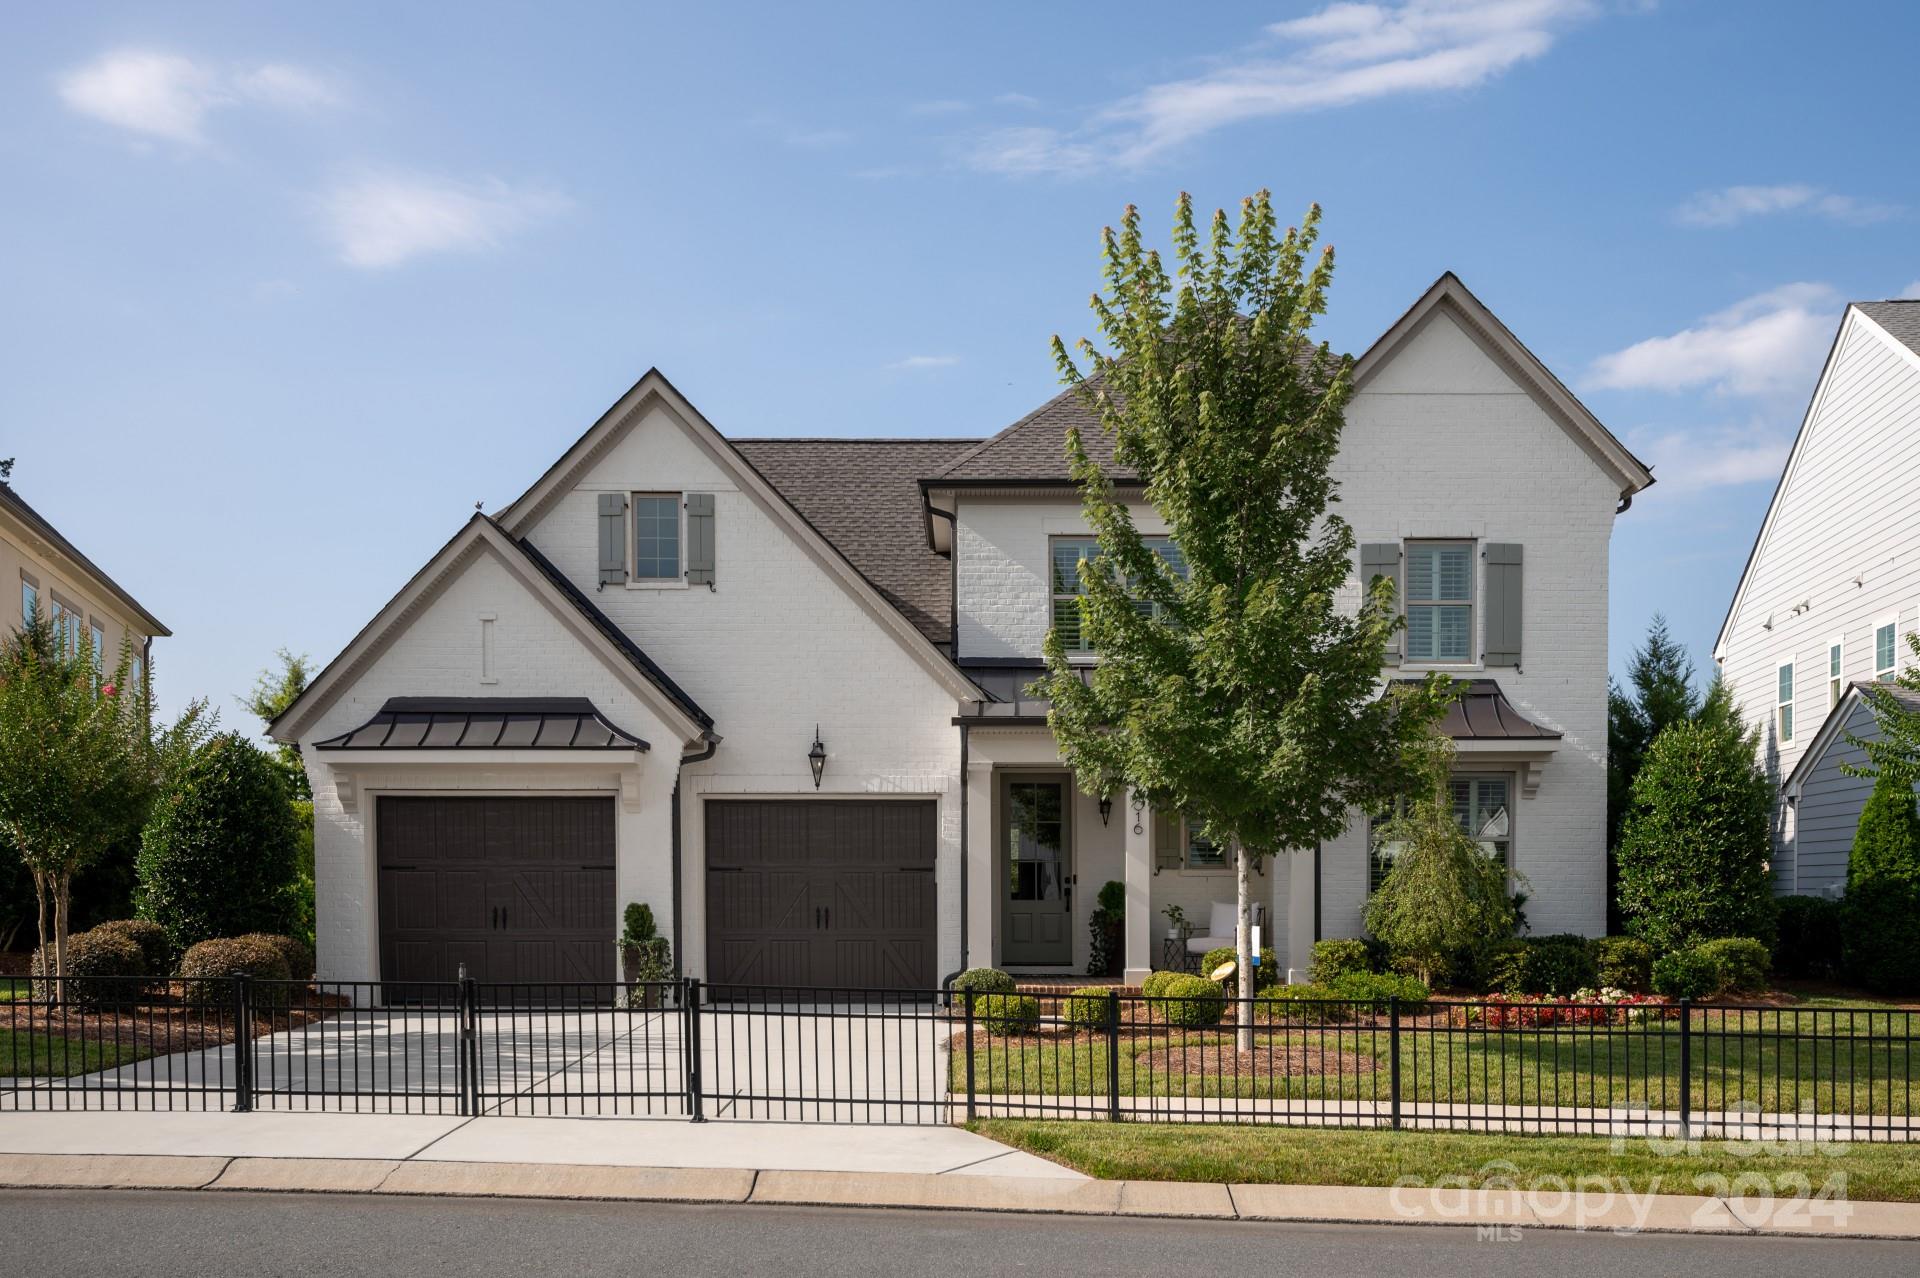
(518, 889)
(822, 893)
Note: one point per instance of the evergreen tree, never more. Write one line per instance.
(1659, 694)
(1233, 687)
(1881, 911)
(272, 693)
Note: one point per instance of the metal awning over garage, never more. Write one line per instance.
(486, 723)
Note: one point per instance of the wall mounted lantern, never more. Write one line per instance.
(817, 757)
(1106, 808)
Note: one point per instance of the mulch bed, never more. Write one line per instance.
(1279, 1060)
(163, 1023)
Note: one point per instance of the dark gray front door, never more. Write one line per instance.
(1037, 923)
(517, 889)
(821, 893)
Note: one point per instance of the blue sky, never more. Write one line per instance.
(285, 290)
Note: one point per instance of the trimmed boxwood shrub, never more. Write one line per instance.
(207, 969)
(1087, 1007)
(103, 969)
(1742, 962)
(1193, 1002)
(219, 856)
(1812, 935)
(1334, 959)
(1624, 963)
(298, 958)
(1265, 976)
(1686, 974)
(1370, 987)
(1008, 1013)
(156, 953)
(1302, 1004)
(1558, 964)
(984, 980)
(1156, 983)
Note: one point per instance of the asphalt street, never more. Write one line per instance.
(127, 1232)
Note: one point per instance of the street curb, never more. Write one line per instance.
(1296, 1204)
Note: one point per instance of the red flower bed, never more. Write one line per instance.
(1542, 1011)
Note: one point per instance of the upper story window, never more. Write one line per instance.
(29, 598)
(97, 635)
(1066, 554)
(656, 536)
(1786, 701)
(67, 622)
(1480, 805)
(1835, 684)
(1439, 601)
(1883, 652)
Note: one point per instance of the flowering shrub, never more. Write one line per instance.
(1606, 1006)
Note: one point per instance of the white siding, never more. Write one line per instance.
(1840, 541)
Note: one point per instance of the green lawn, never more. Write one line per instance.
(40, 1055)
(1788, 1060)
(1325, 1156)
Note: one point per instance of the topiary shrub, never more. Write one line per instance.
(208, 968)
(1086, 1008)
(984, 980)
(1107, 930)
(1742, 962)
(1379, 987)
(1302, 1004)
(1265, 976)
(294, 952)
(1693, 852)
(1008, 1013)
(156, 953)
(1880, 942)
(1557, 964)
(1686, 974)
(1811, 938)
(1334, 959)
(1623, 963)
(103, 970)
(1193, 1002)
(1156, 983)
(219, 855)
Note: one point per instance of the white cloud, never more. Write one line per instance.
(1910, 292)
(913, 363)
(1768, 344)
(1716, 457)
(161, 94)
(167, 95)
(1345, 53)
(1733, 204)
(385, 219)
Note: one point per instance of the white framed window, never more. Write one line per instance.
(1784, 701)
(1483, 806)
(1065, 555)
(68, 622)
(1884, 645)
(1197, 851)
(29, 598)
(656, 536)
(1836, 681)
(1439, 602)
(97, 637)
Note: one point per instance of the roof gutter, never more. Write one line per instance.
(679, 937)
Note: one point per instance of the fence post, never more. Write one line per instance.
(691, 1032)
(1686, 1069)
(469, 1042)
(1113, 1056)
(969, 999)
(1393, 1056)
(242, 1044)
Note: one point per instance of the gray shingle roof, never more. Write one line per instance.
(1035, 447)
(1901, 319)
(863, 495)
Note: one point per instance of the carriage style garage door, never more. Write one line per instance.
(518, 889)
(822, 893)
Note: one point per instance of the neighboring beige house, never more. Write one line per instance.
(50, 576)
(1831, 589)
(773, 688)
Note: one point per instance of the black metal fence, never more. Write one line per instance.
(686, 1049)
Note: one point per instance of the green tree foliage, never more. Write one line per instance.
(277, 688)
(1239, 691)
(1881, 910)
(1693, 852)
(1443, 897)
(1659, 694)
(218, 858)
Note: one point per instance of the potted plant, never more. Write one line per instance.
(646, 958)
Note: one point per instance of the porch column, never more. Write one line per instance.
(983, 887)
(1139, 871)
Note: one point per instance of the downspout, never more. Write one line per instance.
(679, 937)
(946, 983)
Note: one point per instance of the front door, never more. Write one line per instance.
(1037, 927)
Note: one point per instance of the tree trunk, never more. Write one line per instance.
(1243, 950)
(62, 897)
(47, 988)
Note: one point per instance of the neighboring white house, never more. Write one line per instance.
(773, 688)
(1832, 588)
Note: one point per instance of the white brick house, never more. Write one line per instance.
(610, 690)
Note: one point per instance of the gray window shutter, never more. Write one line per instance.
(1502, 646)
(1382, 559)
(1167, 852)
(613, 537)
(700, 539)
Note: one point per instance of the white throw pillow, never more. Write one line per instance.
(1225, 917)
